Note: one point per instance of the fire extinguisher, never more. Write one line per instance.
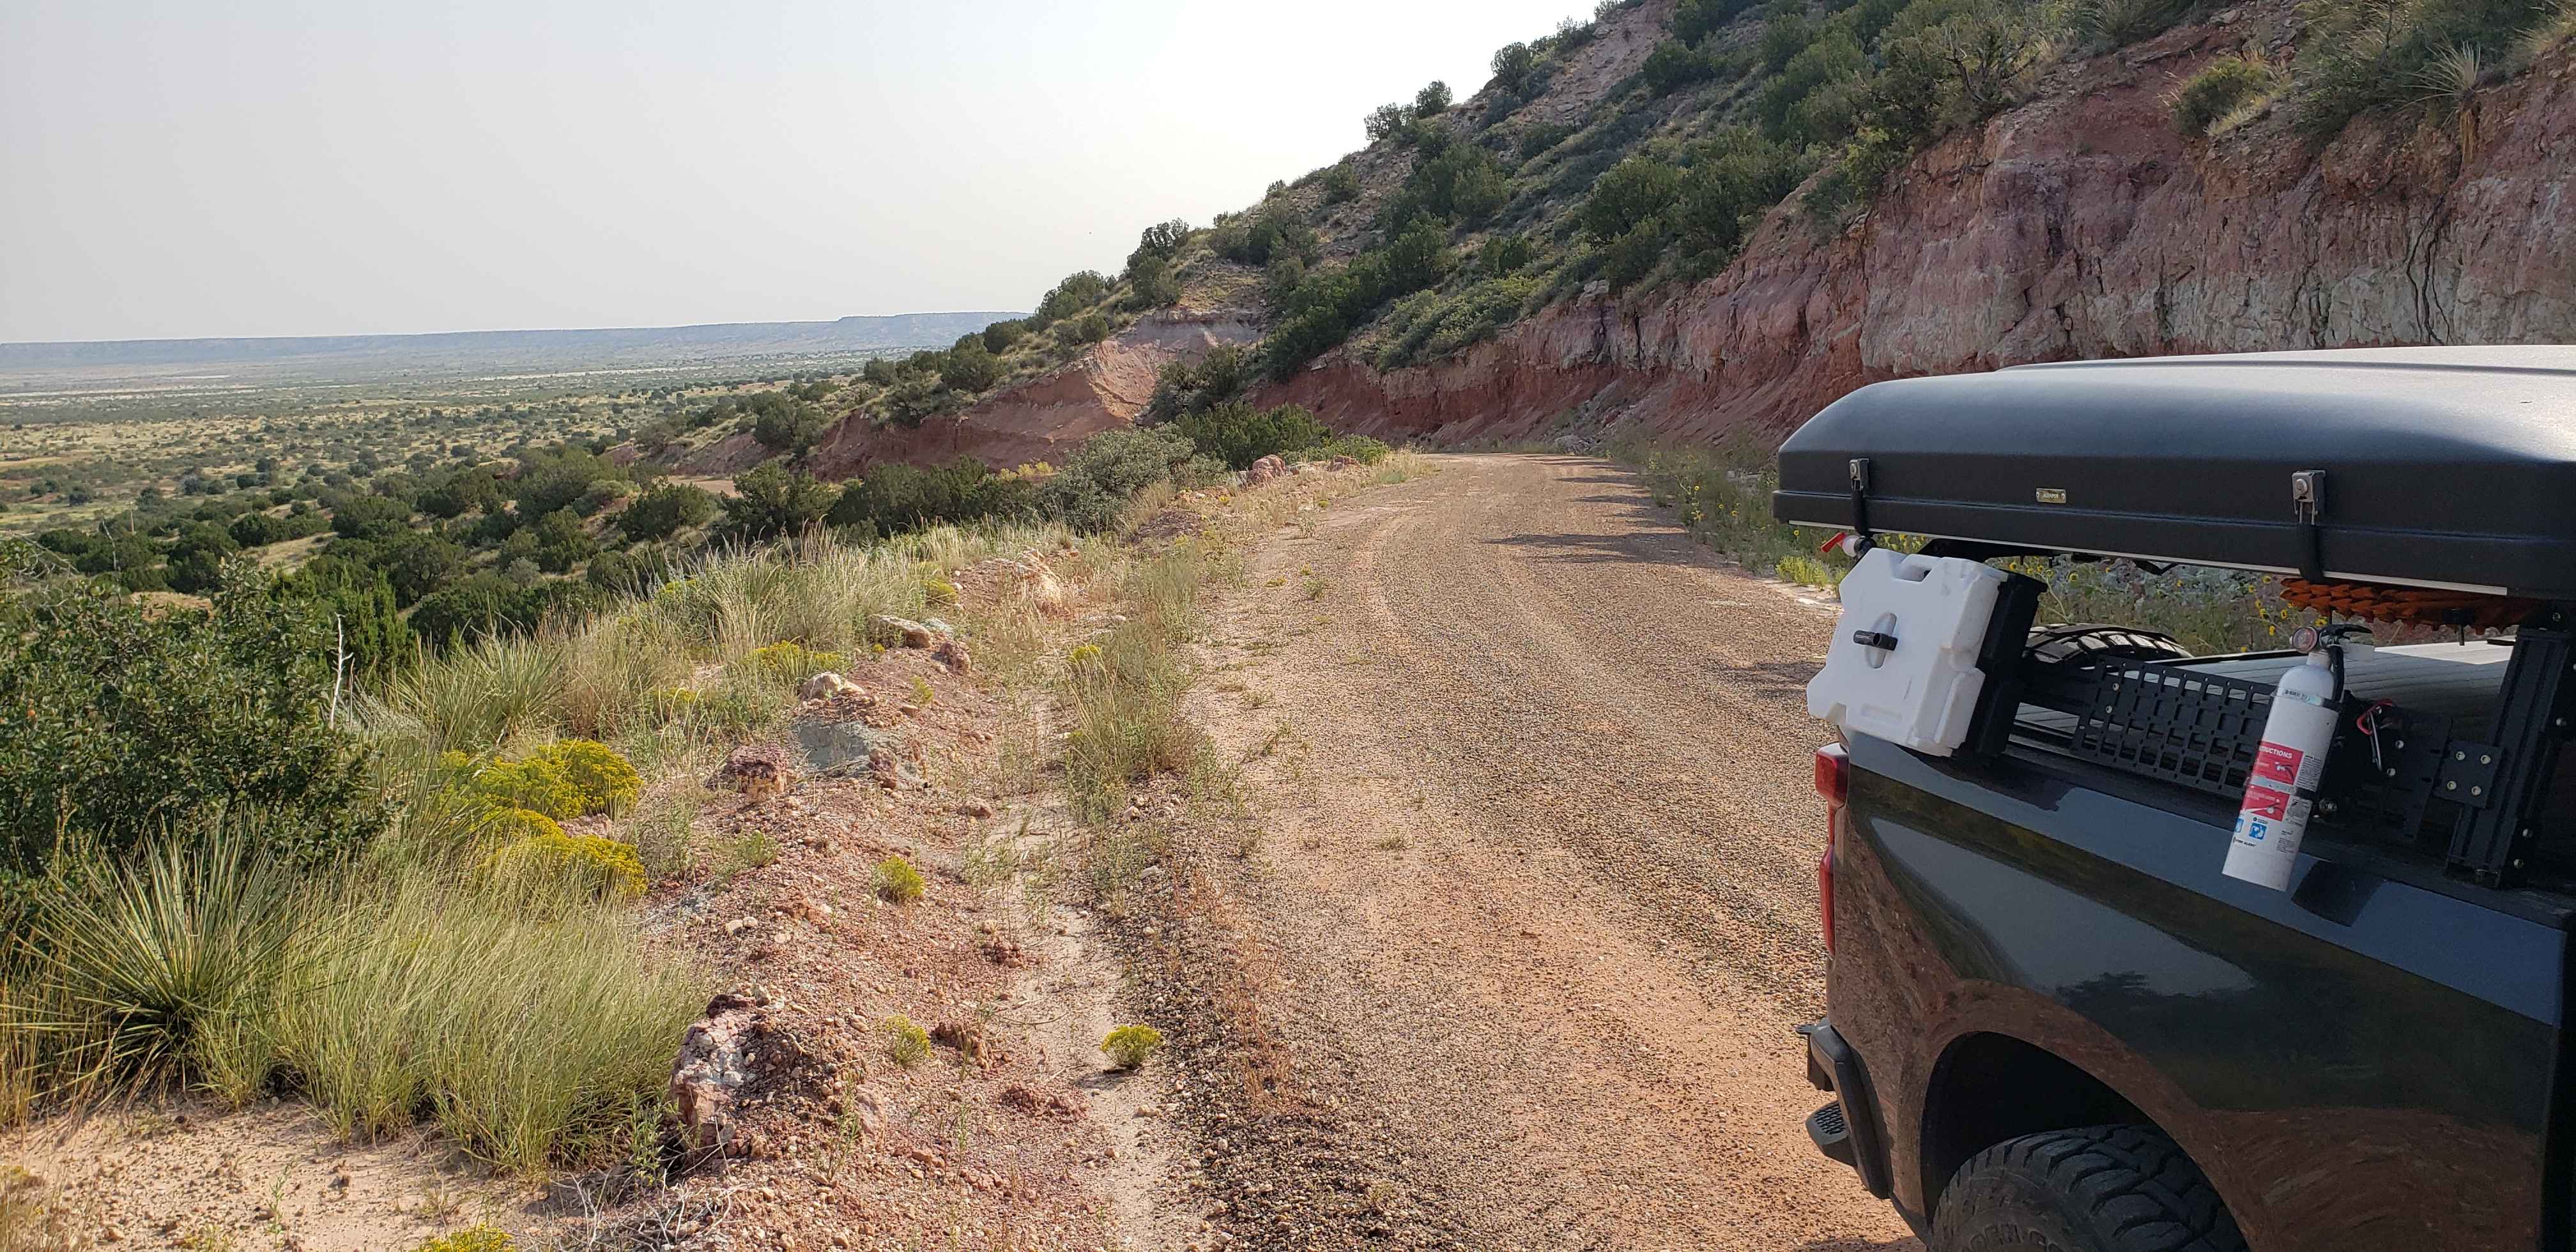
(2282, 791)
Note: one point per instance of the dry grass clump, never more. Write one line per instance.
(2223, 90)
(1125, 704)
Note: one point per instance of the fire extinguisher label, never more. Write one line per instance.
(2266, 803)
(2281, 764)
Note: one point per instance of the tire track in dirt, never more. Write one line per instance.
(1538, 870)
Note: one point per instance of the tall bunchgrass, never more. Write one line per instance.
(524, 1017)
(528, 1033)
(655, 676)
(1125, 703)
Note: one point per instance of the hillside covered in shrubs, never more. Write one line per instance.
(1672, 186)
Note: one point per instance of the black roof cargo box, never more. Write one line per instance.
(2441, 467)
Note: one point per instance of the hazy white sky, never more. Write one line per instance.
(269, 167)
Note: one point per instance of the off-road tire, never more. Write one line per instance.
(2098, 1189)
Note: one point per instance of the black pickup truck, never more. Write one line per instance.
(2052, 1022)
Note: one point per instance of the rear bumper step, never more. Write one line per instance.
(1832, 1135)
(1847, 1129)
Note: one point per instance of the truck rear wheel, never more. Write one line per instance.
(2099, 1189)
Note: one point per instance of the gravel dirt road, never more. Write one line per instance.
(1535, 905)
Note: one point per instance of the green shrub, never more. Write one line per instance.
(1463, 182)
(1953, 65)
(1129, 1046)
(359, 602)
(1502, 254)
(906, 1044)
(1674, 65)
(970, 368)
(1433, 98)
(1238, 434)
(1633, 192)
(1733, 179)
(895, 879)
(1183, 387)
(1000, 336)
(1386, 121)
(1079, 291)
(122, 724)
(1090, 328)
(2220, 88)
(1359, 448)
(1341, 184)
(784, 425)
(1514, 66)
(1854, 182)
(1694, 20)
(1151, 284)
(773, 500)
(1093, 488)
(2113, 23)
(1321, 313)
(1438, 328)
(1274, 230)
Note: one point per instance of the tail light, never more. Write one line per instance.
(1833, 782)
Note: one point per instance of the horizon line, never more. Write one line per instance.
(509, 330)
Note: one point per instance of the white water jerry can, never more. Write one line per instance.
(1903, 664)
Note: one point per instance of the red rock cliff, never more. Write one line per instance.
(2079, 225)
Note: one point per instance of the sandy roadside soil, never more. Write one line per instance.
(1533, 913)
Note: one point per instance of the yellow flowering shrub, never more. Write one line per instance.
(510, 826)
(476, 1238)
(898, 881)
(906, 1043)
(610, 867)
(606, 781)
(1128, 1046)
(536, 784)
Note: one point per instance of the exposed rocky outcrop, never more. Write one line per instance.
(2079, 225)
(1045, 418)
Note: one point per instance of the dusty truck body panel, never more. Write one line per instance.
(2034, 955)
(2364, 1063)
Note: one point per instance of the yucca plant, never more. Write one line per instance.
(2451, 81)
(2113, 23)
(175, 962)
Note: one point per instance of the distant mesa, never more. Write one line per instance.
(471, 353)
